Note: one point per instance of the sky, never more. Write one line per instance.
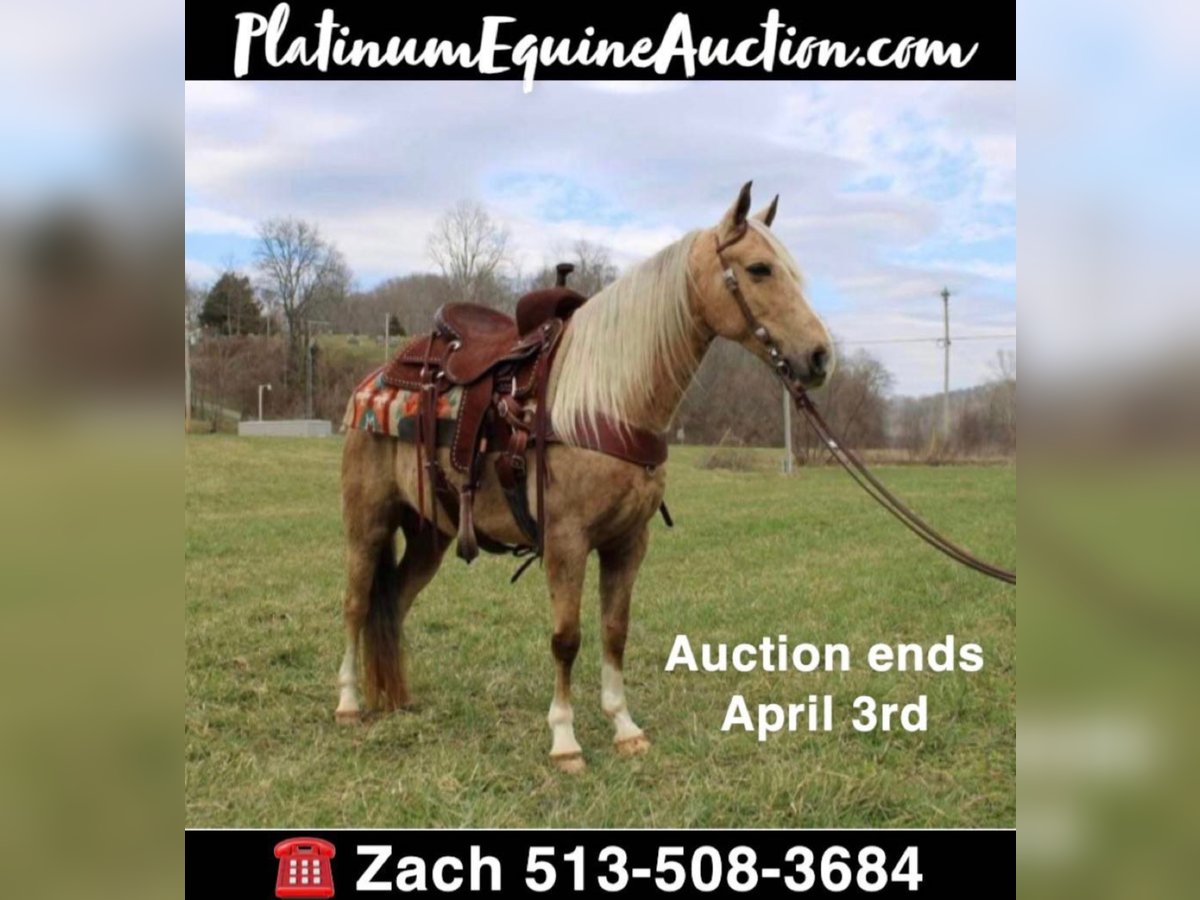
(888, 191)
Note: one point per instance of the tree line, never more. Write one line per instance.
(274, 322)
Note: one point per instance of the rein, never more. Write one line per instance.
(847, 458)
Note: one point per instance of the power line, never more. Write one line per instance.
(934, 340)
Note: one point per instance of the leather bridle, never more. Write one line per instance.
(848, 459)
(776, 358)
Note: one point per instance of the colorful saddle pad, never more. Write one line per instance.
(384, 409)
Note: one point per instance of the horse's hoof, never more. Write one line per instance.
(348, 717)
(570, 763)
(632, 746)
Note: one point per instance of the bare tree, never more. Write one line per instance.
(594, 268)
(304, 274)
(469, 246)
(854, 402)
(193, 301)
(734, 399)
(411, 298)
(915, 423)
(983, 418)
(1004, 398)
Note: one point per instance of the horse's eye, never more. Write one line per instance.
(759, 270)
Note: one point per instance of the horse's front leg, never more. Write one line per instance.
(566, 562)
(618, 569)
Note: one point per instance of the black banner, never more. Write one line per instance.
(596, 863)
(266, 39)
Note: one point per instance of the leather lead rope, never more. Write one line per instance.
(848, 459)
(889, 501)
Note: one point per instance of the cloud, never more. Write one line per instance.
(202, 220)
(633, 87)
(994, 271)
(889, 190)
(199, 272)
(218, 96)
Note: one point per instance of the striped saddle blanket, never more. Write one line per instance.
(382, 408)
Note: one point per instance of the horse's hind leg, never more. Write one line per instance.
(378, 591)
(370, 577)
(367, 555)
(393, 593)
(618, 570)
(423, 551)
(369, 505)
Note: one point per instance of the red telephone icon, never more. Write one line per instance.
(304, 868)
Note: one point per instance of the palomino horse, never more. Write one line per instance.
(628, 355)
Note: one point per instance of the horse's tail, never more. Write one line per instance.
(383, 657)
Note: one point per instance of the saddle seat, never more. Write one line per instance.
(479, 340)
(477, 322)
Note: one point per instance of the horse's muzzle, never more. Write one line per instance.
(812, 369)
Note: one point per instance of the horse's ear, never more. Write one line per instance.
(767, 214)
(735, 217)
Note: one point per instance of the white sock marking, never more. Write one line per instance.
(612, 701)
(348, 681)
(562, 729)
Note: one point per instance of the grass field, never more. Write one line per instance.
(753, 554)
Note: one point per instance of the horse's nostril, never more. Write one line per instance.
(819, 361)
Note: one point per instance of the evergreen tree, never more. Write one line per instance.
(230, 306)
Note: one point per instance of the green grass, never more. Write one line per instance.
(753, 554)
(361, 352)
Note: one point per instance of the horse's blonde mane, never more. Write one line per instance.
(638, 327)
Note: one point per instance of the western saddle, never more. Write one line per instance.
(502, 365)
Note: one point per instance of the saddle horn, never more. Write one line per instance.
(563, 270)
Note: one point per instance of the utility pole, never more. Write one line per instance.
(310, 361)
(788, 459)
(946, 369)
(309, 352)
(387, 334)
